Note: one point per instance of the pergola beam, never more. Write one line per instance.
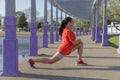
(79, 8)
(94, 3)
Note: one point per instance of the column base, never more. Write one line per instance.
(33, 46)
(105, 36)
(10, 57)
(105, 40)
(10, 74)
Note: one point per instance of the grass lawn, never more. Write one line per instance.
(113, 41)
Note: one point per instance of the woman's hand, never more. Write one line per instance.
(78, 41)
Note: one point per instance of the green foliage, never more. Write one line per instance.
(1, 20)
(113, 41)
(18, 13)
(22, 23)
(39, 25)
(82, 24)
(27, 13)
(113, 10)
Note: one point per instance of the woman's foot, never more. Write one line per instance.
(31, 63)
(80, 63)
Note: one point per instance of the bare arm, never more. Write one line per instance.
(72, 38)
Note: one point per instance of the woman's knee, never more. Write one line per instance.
(80, 44)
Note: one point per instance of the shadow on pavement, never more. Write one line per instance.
(98, 57)
(54, 77)
(99, 67)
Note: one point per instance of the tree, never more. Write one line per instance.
(84, 23)
(28, 13)
(22, 23)
(113, 10)
(39, 25)
(1, 20)
(18, 13)
(0, 23)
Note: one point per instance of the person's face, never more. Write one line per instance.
(71, 23)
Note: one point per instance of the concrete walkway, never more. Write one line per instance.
(104, 64)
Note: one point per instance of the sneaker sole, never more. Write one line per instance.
(32, 66)
(81, 64)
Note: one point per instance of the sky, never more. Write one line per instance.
(25, 4)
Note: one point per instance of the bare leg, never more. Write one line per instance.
(47, 60)
(79, 48)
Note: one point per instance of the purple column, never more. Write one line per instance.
(45, 38)
(61, 15)
(93, 33)
(77, 27)
(10, 42)
(51, 28)
(61, 21)
(97, 35)
(10, 48)
(33, 40)
(76, 32)
(33, 30)
(105, 35)
(51, 35)
(93, 23)
(45, 35)
(57, 33)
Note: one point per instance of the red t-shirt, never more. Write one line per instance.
(66, 47)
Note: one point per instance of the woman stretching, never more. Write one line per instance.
(69, 44)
